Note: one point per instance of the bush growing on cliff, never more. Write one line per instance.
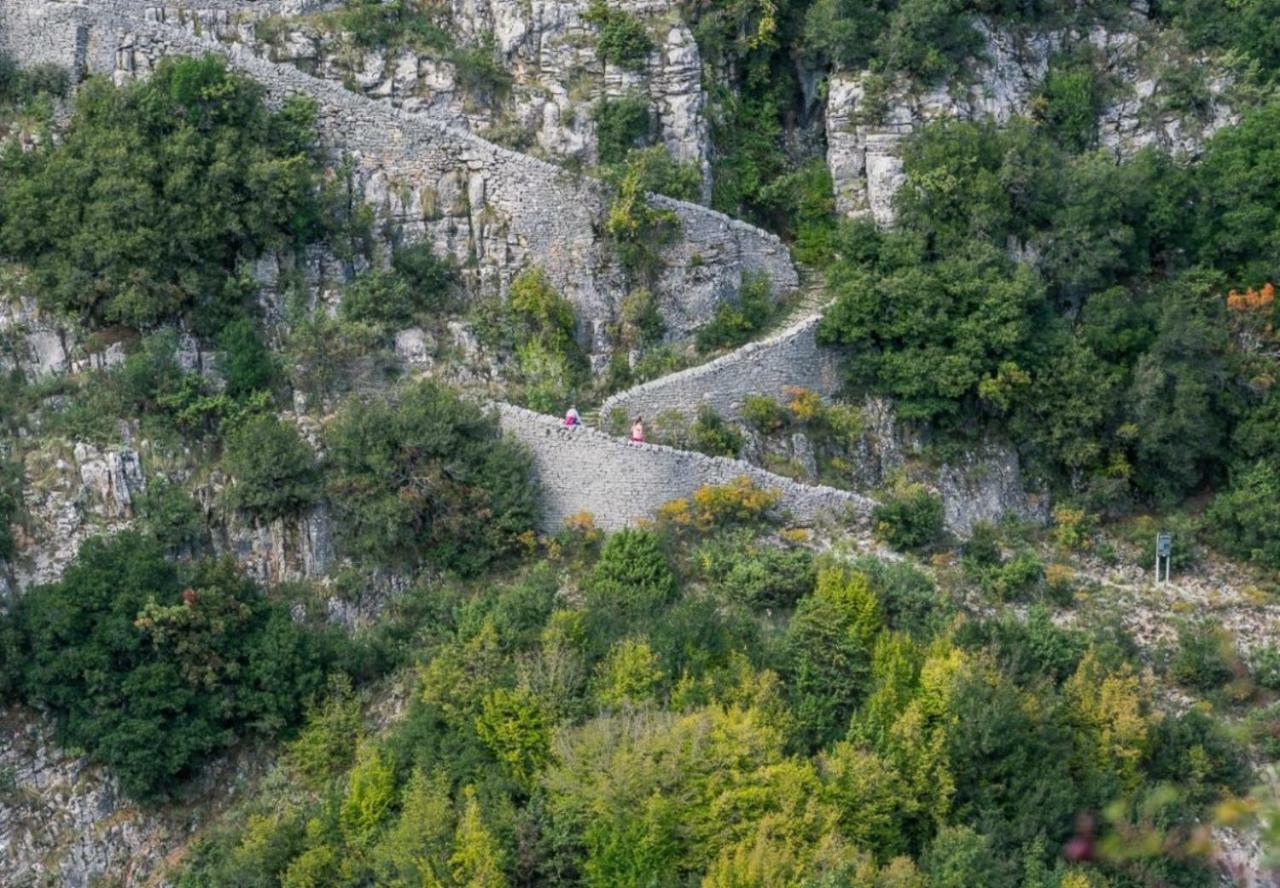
(151, 669)
(159, 189)
(623, 40)
(423, 477)
(274, 469)
(908, 518)
(736, 320)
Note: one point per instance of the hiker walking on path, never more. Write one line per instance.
(571, 419)
(637, 430)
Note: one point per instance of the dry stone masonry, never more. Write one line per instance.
(792, 357)
(495, 211)
(620, 482)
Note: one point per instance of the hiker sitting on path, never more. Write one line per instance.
(572, 419)
(637, 430)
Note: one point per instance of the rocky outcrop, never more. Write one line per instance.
(767, 367)
(867, 118)
(621, 482)
(493, 210)
(558, 76)
(63, 822)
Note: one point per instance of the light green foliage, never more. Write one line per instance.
(327, 743)
(374, 24)
(541, 327)
(628, 675)
(274, 469)
(480, 72)
(477, 860)
(514, 726)
(1204, 656)
(423, 477)
(637, 229)
(143, 211)
(623, 40)
(829, 646)
(370, 794)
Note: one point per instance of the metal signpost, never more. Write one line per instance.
(1164, 555)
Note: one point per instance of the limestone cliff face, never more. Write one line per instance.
(493, 210)
(558, 75)
(867, 119)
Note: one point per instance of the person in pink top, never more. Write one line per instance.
(637, 430)
(571, 419)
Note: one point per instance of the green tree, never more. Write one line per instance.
(632, 577)
(829, 645)
(274, 469)
(144, 210)
(423, 476)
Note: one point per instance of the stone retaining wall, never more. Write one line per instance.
(789, 358)
(495, 211)
(619, 483)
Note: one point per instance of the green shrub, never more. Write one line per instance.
(738, 569)
(763, 413)
(1245, 520)
(151, 670)
(479, 71)
(623, 40)
(711, 434)
(170, 515)
(621, 125)
(1203, 658)
(388, 24)
(245, 362)
(909, 518)
(120, 225)
(632, 577)
(274, 469)
(422, 476)
(417, 283)
(1266, 667)
(736, 321)
(10, 504)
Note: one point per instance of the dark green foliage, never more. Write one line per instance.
(480, 73)
(423, 477)
(10, 504)
(245, 360)
(1246, 518)
(933, 334)
(621, 125)
(150, 670)
(735, 321)
(1069, 102)
(623, 40)
(736, 568)
(1204, 657)
(711, 434)
(170, 515)
(143, 212)
(1251, 29)
(908, 519)
(632, 577)
(828, 651)
(274, 469)
(18, 85)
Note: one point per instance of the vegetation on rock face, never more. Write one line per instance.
(424, 477)
(151, 668)
(144, 211)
